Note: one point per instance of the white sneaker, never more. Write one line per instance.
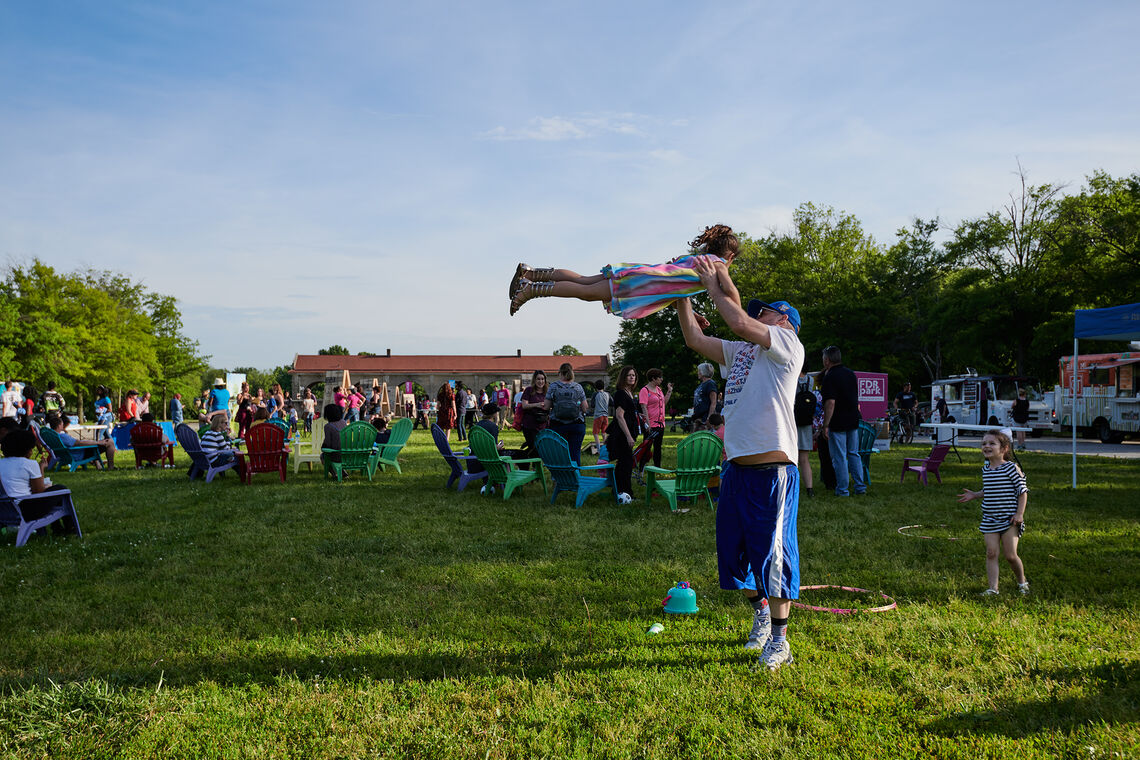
(761, 631)
(775, 655)
(624, 498)
(1023, 588)
(990, 592)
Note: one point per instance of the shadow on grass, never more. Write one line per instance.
(535, 663)
(1112, 692)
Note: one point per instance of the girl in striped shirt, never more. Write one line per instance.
(1004, 496)
(629, 291)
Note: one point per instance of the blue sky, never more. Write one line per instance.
(368, 173)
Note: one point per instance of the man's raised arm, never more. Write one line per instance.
(727, 299)
(705, 345)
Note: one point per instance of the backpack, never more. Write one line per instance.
(566, 407)
(804, 407)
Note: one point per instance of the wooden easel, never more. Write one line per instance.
(385, 404)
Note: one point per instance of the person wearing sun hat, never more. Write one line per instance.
(757, 547)
(219, 398)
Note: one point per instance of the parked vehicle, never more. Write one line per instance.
(1108, 395)
(975, 399)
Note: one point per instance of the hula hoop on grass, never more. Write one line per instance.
(842, 610)
(932, 538)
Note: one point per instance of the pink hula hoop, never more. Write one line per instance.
(932, 538)
(845, 611)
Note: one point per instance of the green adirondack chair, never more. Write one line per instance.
(698, 459)
(502, 470)
(357, 451)
(401, 431)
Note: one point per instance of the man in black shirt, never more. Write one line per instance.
(841, 422)
(905, 402)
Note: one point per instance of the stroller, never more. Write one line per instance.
(643, 453)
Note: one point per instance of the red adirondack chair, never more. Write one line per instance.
(146, 440)
(928, 465)
(265, 452)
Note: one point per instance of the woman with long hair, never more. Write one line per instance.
(622, 432)
(535, 416)
(445, 410)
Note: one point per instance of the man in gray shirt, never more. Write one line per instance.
(601, 412)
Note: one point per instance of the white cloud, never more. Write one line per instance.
(558, 128)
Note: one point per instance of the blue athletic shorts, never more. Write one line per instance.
(756, 530)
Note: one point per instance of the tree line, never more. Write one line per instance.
(996, 292)
(89, 328)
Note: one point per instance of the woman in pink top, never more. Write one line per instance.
(653, 403)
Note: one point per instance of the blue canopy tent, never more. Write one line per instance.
(1112, 323)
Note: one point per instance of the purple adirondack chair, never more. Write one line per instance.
(12, 512)
(924, 466)
(453, 459)
(199, 462)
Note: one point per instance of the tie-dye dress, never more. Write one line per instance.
(638, 290)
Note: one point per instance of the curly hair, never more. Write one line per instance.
(718, 240)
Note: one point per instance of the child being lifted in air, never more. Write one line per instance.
(630, 291)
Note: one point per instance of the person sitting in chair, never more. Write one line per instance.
(216, 444)
(22, 476)
(383, 434)
(334, 423)
(105, 445)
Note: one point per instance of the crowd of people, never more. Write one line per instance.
(771, 415)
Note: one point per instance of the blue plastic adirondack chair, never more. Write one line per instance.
(502, 470)
(357, 452)
(199, 462)
(453, 458)
(12, 513)
(567, 476)
(698, 459)
(73, 458)
(866, 448)
(388, 452)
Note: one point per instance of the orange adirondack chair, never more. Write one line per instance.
(146, 440)
(265, 452)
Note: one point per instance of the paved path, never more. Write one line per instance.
(1051, 445)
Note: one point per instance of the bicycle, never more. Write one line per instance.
(902, 426)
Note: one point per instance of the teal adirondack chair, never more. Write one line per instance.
(698, 459)
(72, 458)
(866, 448)
(401, 431)
(357, 451)
(567, 476)
(502, 470)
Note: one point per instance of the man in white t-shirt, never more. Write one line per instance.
(757, 549)
(10, 399)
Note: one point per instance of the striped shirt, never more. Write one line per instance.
(1001, 486)
(213, 443)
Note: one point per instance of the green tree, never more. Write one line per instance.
(334, 350)
(567, 350)
(1018, 290)
(1098, 241)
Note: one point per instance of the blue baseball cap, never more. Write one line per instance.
(755, 306)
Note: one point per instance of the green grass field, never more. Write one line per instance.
(396, 619)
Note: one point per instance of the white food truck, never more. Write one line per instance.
(975, 399)
(1108, 395)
